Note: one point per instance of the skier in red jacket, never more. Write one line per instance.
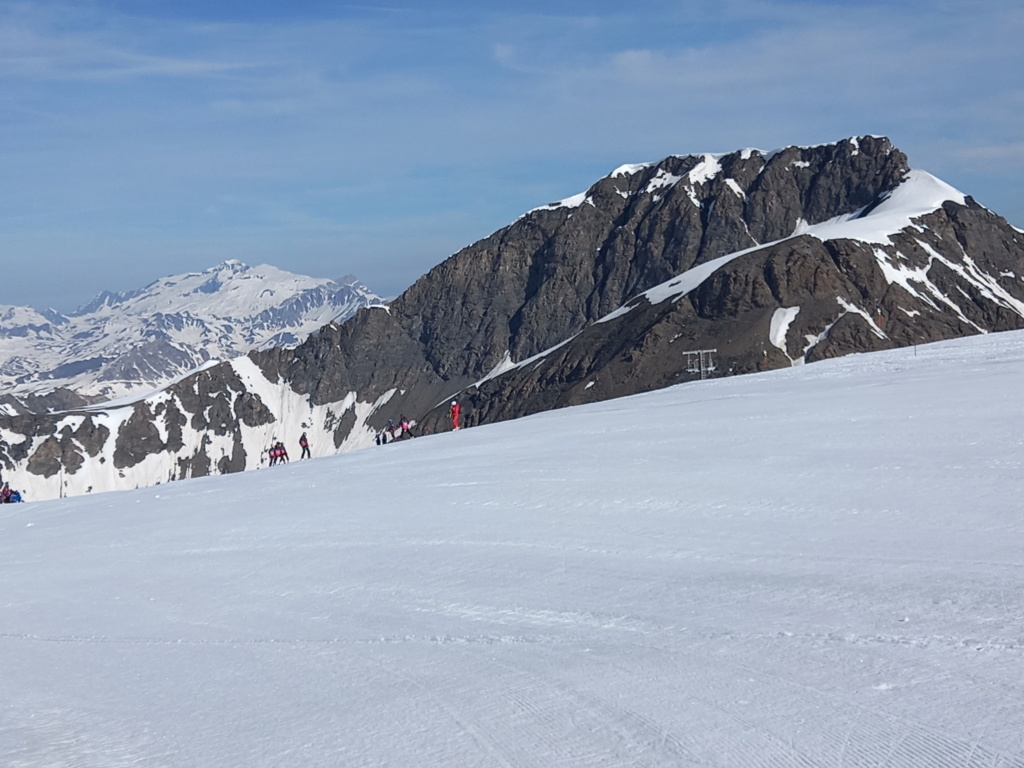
(453, 413)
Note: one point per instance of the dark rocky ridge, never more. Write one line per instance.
(732, 311)
(546, 279)
(555, 271)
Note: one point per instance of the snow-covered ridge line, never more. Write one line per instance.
(195, 450)
(575, 201)
(918, 195)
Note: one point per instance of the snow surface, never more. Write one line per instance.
(818, 566)
(662, 180)
(570, 202)
(630, 169)
(918, 194)
(735, 187)
(782, 318)
(708, 168)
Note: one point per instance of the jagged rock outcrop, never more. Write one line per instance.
(769, 259)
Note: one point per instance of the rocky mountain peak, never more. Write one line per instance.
(562, 266)
(143, 339)
(770, 259)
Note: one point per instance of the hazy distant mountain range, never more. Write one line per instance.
(771, 259)
(126, 343)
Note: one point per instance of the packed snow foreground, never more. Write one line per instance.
(819, 566)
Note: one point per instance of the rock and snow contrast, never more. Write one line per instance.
(125, 343)
(815, 566)
(758, 260)
(914, 262)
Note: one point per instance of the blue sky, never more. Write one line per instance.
(141, 138)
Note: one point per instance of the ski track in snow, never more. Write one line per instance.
(818, 566)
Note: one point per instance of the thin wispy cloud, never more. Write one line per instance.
(121, 120)
(38, 48)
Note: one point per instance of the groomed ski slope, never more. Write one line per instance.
(820, 566)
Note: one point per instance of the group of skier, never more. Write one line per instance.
(403, 427)
(402, 430)
(8, 495)
(279, 454)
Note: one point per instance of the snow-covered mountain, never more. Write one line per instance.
(815, 567)
(123, 343)
(769, 259)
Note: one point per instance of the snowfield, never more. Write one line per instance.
(125, 345)
(820, 566)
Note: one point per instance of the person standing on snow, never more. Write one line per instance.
(304, 442)
(453, 414)
(406, 428)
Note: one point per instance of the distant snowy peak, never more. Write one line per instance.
(18, 321)
(141, 340)
(230, 289)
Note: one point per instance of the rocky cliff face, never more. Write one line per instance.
(789, 303)
(770, 259)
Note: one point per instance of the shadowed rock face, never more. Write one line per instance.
(549, 277)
